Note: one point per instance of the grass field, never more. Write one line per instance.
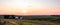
(29, 22)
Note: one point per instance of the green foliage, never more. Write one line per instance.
(51, 19)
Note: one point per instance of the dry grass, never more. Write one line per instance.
(28, 22)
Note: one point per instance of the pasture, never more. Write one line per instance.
(31, 20)
(28, 22)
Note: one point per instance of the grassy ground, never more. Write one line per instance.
(29, 22)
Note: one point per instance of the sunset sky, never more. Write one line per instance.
(30, 7)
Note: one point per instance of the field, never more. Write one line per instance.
(28, 22)
(31, 20)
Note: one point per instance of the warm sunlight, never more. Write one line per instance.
(24, 11)
(30, 7)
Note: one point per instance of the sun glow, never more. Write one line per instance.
(24, 11)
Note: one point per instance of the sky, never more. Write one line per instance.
(30, 7)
